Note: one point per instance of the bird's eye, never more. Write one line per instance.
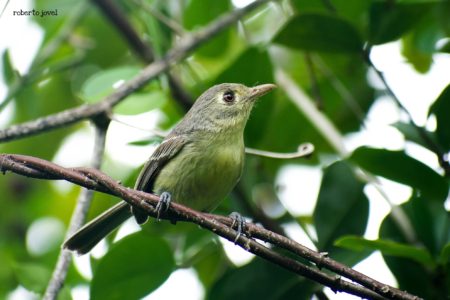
(228, 97)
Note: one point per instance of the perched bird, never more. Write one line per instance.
(197, 164)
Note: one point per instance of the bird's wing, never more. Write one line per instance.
(168, 149)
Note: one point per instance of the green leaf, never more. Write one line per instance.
(414, 278)
(109, 48)
(445, 254)
(387, 248)
(261, 26)
(309, 6)
(261, 280)
(441, 109)
(64, 294)
(389, 21)
(160, 35)
(399, 167)
(9, 74)
(421, 61)
(412, 134)
(316, 32)
(138, 103)
(354, 11)
(428, 222)
(133, 267)
(425, 227)
(103, 83)
(445, 47)
(419, 45)
(207, 257)
(99, 85)
(194, 16)
(32, 276)
(342, 209)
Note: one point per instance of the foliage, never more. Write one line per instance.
(323, 46)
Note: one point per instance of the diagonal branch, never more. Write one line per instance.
(185, 46)
(142, 49)
(96, 180)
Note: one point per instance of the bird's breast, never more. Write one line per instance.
(202, 174)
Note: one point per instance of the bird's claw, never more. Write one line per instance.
(163, 205)
(239, 222)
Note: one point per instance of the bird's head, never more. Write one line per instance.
(227, 105)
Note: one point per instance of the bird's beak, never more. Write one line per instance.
(261, 90)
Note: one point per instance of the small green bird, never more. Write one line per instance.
(197, 164)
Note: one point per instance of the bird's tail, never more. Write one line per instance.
(93, 232)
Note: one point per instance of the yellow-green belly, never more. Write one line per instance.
(201, 177)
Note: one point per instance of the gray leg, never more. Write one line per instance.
(163, 204)
(239, 221)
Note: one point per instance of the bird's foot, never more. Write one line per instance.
(239, 222)
(163, 205)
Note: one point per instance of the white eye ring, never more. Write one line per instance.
(228, 97)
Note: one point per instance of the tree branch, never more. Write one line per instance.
(80, 213)
(96, 180)
(186, 45)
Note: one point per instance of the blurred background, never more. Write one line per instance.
(366, 82)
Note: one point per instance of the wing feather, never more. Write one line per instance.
(168, 149)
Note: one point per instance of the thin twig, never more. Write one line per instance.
(78, 216)
(94, 179)
(178, 92)
(154, 132)
(170, 23)
(4, 8)
(302, 101)
(436, 148)
(342, 90)
(303, 150)
(314, 82)
(175, 55)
